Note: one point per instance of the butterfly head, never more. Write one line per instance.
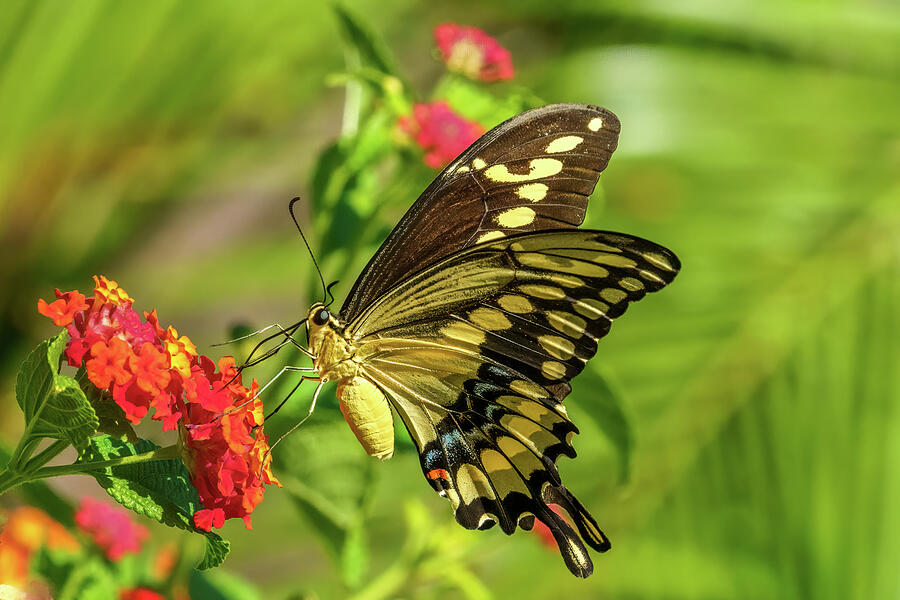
(326, 341)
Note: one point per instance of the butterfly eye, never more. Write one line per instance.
(321, 317)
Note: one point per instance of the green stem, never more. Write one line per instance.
(167, 453)
(9, 480)
(45, 456)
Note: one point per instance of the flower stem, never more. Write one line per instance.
(84, 468)
(9, 480)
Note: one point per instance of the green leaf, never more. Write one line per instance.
(355, 554)
(84, 577)
(372, 50)
(220, 585)
(159, 489)
(53, 404)
(332, 492)
(605, 408)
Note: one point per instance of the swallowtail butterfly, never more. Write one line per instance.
(476, 312)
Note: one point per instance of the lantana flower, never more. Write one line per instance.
(111, 527)
(26, 530)
(439, 131)
(143, 365)
(140, 593)
(473, 53)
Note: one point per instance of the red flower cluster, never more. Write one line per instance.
(140, 593)
(472, 52)
(439, 131)
(143, 366)
(225, 448)
(110, 527)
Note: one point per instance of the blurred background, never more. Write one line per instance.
(743, 444)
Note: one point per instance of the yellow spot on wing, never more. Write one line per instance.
(538, 168)
(552, 369)
(464, 332)
(613, 295)
(515, 304)
(490, 235)
(632, 284)
(546, 292)
(463, 169)
(567, 323)
(489, 318)
(563, 144)
(591, 308)
(659, 260)
(614, 260)
(532, 191)
(528, 389)
(516, 217)
(595, 124)
(472, 484)
(479, 163)
(557, 346)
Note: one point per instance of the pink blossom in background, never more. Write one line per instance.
(439, 131)
(473, 53)
(111, 528)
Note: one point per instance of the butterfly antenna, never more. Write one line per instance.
(315, 262)
(330, 295)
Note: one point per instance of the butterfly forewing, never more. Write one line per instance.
(530, 173)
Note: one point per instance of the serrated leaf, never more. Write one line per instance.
(159, 489)
(54, 405)
(605, 408)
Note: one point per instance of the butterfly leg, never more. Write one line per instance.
(312, 407)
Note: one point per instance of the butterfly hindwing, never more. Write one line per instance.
(475, 354)
(530, 173)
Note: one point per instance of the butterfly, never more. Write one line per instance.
(477, 311)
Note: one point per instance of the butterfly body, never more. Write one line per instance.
(363, 405)
(476, 312)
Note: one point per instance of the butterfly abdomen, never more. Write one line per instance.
(367, 412)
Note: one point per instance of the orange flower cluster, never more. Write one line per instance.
(26, 530)
(143, 366)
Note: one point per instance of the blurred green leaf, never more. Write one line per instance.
(220, 585)
(605, 407)
(53, 404)
(159, 489)
(372, 50)
(330, 481)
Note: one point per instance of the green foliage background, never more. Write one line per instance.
(158, 143)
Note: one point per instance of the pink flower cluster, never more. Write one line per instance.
(111, 528)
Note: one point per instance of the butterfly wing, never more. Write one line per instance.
(475, 354)
(530, 173)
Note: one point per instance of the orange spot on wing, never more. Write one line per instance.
(438, 474)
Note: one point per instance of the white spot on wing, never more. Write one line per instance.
(595, 124)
